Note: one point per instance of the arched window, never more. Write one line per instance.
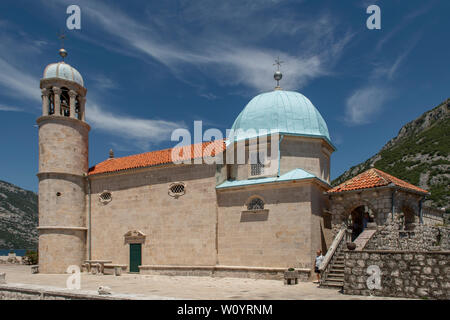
(51, 102)
(409, 218)
(256, 204)
(65, 102)
(77, 109)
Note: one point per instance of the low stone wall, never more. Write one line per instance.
(17, 291)
(433, 216)
(409, 274)
(223, 271)
(10, 259)
(420, 238)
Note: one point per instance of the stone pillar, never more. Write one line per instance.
(72, 95)
(45, 94)
(82, 101)
(57, 95)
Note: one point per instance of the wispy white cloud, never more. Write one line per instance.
(18, 84)
(142, 132)
(364, 104)
(23, 85)
(404, 22)
(102, 82)
(9, 108)
(232, 59)
(391, 70)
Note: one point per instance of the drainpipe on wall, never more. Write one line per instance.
(89, 218)
(393, 205)
(279, 154)
(420, 210)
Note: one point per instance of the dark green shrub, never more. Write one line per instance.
(30, 257)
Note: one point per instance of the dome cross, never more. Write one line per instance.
(278, 75)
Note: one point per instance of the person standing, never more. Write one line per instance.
(318, 263)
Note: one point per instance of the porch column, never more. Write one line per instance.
(45, 94)
(57, 94)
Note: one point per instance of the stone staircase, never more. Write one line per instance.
(335, 277)
(333, 272)
(332, 268)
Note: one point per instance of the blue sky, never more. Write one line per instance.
(152, 66)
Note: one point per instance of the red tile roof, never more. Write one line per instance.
(373, 178)
(159, 157)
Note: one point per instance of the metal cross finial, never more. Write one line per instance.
(278, 75)
(61, 36)
(278, 63)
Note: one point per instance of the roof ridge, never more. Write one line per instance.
(372, 178)
(157, 157)
(380, 174)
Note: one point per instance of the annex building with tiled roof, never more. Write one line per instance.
(199, 209)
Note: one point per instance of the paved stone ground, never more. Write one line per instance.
(169, 287)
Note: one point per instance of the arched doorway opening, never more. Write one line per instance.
(359, 218)
(409, 218)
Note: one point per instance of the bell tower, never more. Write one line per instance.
(63, 165)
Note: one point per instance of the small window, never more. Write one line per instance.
(257, 160)
(105, 197)
(177, 189)
(256, 204)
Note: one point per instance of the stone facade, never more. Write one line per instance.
(178, 231)
(387, 204)
(409, 274)
(312, 155)
(421, 238)
(287, 235)
(63, 164)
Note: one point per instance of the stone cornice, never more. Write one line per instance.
(55, 118)
(61, 228)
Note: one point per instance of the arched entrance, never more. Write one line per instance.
(409, 218)
(359, 218)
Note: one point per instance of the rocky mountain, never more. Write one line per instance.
(419, 154)
(18, 217)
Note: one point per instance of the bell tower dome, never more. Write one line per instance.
(63, 165)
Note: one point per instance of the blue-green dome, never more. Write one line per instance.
(279, 111)
(64, 71)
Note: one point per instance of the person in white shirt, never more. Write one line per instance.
(318, 262)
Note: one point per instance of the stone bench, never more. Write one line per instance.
(35, 269)
(291, 277)
(116, 269)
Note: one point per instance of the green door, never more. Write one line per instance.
(135, 257)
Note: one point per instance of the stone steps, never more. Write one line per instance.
(335, 277)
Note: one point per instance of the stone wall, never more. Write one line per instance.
(420, 238)
(432, 216)
(409, 274)
(224, 271)
(310, 154)
(15, 291)
(178, 230)
(286, 234)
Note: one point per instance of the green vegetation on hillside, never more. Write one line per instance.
(420, 155)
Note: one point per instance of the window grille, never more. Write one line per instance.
(256, 204)
(177, 189)
(105, 197)
(257, 164)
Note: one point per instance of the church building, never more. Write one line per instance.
(250, 218)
